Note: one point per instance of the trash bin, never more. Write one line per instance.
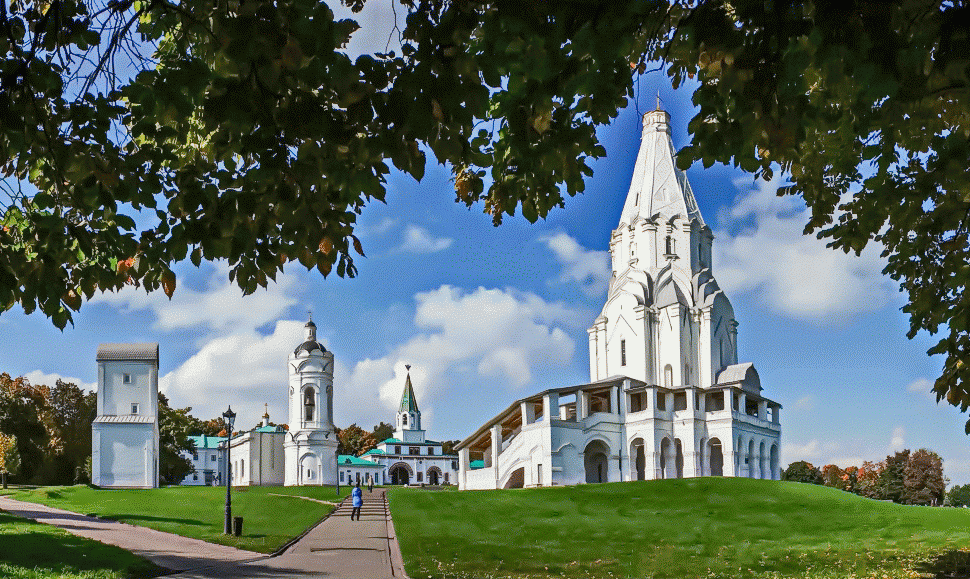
(237, 523)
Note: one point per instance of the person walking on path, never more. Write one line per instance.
(358, 501)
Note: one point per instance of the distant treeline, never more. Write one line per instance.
(909, 478)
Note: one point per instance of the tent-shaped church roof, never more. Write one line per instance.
(409, 403)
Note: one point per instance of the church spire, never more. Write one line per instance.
(409, 403)
(658, 186)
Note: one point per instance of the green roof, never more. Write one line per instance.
(345, 459)
(373, 451)
(391, 440)
(270, 429)
(476, 464)
(408, 401)
(203, 441)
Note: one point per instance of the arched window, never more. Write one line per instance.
(668, 376)
(404, 420)
(308, 404)
(686, 373)
(622, 352)
(671, 245)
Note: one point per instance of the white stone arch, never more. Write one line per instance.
(668, 458)
(309, 407)
(310, 467)
(433, 471)
(516, 479)
(638, 458)
(596, 460)
(716, 457)
(751, 459)
(397, 466)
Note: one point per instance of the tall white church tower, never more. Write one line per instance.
(124, 435)
(310, 446)
(665, 322)
(408, 424)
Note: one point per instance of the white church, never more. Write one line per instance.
(407, 458)
(667, 397)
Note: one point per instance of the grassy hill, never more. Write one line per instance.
(706, 527)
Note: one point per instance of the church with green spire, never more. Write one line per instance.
(407, 458)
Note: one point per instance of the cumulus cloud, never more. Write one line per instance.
(795, 273)
(244, 370)
(923, 387)
(589, 268)
(502, 336)
(220, 307)
(898, 440)
(419, 240)
(50, 379)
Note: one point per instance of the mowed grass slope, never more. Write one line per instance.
(31, 550)
(706, 527)
(269, 520)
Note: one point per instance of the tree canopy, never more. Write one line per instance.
(137, 134)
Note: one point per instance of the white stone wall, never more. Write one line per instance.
(127, 455)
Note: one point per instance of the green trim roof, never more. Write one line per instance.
(203, 442)
(350, 460)
(409, 403)
(270, 429)
(373, 451)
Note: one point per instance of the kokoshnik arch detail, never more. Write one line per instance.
(667, 397)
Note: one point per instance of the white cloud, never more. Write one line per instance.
(220, 307)
(898, 440)
(923, 387)
(419, 240)
(502, 336)
(50, 379)
(808, 451)
(244, 370)
(805, 403)
(589, 268)
(795, 273)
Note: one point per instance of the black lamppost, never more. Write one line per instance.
(229, 416)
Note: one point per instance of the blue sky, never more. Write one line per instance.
(486, 315)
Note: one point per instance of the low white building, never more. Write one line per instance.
(208, 461)
(667, 396)
(408, 458)
(256, 457)
(124, 434)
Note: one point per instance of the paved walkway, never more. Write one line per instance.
(337, 548)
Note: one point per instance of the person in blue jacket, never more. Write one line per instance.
(358, 501)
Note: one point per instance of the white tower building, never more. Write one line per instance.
(408, 416)
(124, 435)
(310, 446)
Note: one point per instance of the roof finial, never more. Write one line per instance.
(658, 100)
(309, 312)
(407, 367)
(266, 407)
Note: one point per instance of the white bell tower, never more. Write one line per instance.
(310, 446)
(408, 424)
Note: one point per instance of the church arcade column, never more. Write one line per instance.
(550, 405)
(496, 446)
(528, 413)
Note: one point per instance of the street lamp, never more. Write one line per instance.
(229, 416)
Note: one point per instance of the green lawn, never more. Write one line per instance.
(199, 512)
(30, 550)
(707, 527)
